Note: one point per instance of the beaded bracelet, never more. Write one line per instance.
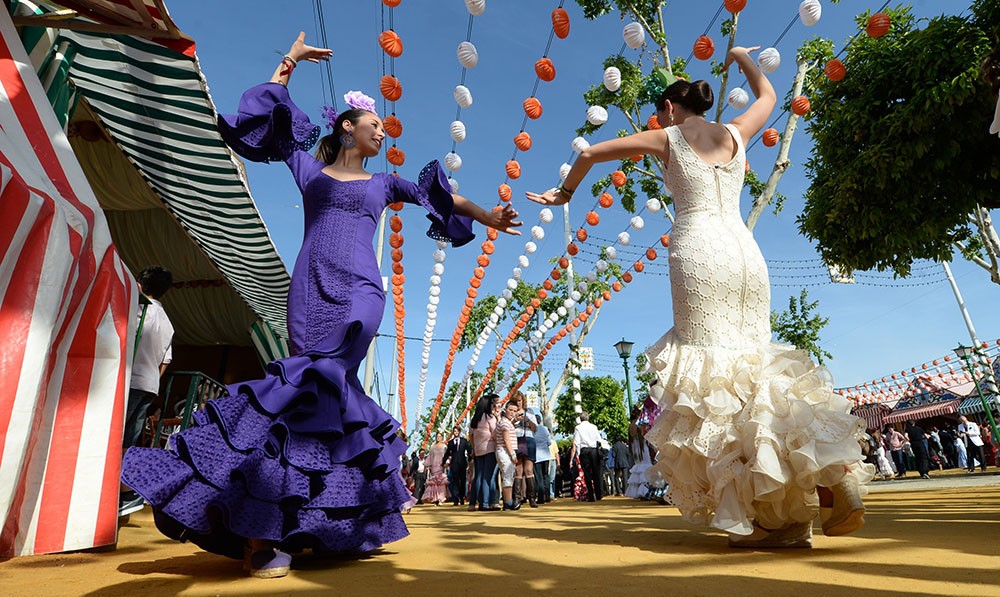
(565, 191)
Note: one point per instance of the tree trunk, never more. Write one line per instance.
(721, 103)
(781, 162)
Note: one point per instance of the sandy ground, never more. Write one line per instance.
(921, 538)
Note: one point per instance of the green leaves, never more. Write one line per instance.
(800, 327)
(603, 399)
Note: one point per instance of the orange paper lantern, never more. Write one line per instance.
(835, 70)
(734, 6)
(391, 3)
(592, 218)
(504, 192)
(607, 294)
(397, 255)
(651, 254)
(395, 155)
(545, 70)
(560, 23)
(627, 276)
(513, 169)
(581, 235)
(475, 282)
(396, 223)
(547, 284)
(572, 249)
(483, 261)
(396, 206)
(616, 286)
(491, 233)
(542, 294)
(618, 178)
(393, 127)
(770, 137)
(522, 141)
(395, 240)
(397, 267)
(598, 302)
(636, 158)
(488, 247)
(605, 200)
(665, 240)
(878, 24)
(555, 275)
(800, 105)
(638, 266)
(391, 44)
(533, 107)
(390, 88)
(469, 302)
(563, 262)
(704, 47)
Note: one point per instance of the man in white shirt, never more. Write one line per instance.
(969, 430)
(151, 358)
(585, 444)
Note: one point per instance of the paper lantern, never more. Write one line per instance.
(533, 108)
(616, 286)
(637, 222)
(878, 24)
(463, 97)
(391, 44)
(453, 184)
(611, 252)
(391, 3)
(835, 70)
(452, 161)
(769, 60)
(592, 218)
(390, 88)
(457, 129)
(581, 235)
(665, 240)
(545, 70)
(652, 123)
(522, 141)
(624, 239)
(530, 247)
(504, 192)
(468, 56)
(597, 115)
(605, 200)
(395, 156)
(651, 254)
(738, 98)
(653, 205)
(734, 6)
(476, 7)
(579, 144)
(810, 11)
(637, 266)
(572, 248)
(545, 215)
(612, 78)
(634, 35)
(522, 260)
(537, 232)
(393, 127)
(560, 23)
(704, 47)
(770, 137)
(513, 169)
(564, 171)
(618, 178)
(563, 262)
(800, 105)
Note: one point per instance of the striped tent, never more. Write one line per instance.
(67, 311)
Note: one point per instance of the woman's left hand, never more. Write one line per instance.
(549, 197)
(503, 220)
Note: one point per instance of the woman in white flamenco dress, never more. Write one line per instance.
(751, 438)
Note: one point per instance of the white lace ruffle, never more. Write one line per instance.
(748, 434)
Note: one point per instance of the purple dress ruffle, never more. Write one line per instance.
(302, 457)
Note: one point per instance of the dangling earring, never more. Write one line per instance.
(671, 121)
(347, 140)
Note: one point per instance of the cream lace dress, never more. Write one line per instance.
(749, 428)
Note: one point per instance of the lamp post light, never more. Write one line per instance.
(965, 353)
(624, 349)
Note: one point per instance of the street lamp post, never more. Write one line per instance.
(624, 349)
(965, 353)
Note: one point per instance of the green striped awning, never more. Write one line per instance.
(974, 405)
(155, 104)
(270, 346)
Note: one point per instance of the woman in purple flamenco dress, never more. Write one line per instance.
(304, 459)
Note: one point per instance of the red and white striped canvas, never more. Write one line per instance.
(67, 319)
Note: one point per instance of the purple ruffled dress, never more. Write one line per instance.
(302, 457)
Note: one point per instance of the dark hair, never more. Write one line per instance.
(696, 97)
(329, 146)
(155, 281)
(483, 407)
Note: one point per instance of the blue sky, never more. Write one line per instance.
(873, 330)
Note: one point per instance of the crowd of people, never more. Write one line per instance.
(965, 444)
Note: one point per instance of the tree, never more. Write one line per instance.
(800, 327)
(603, 400)
(903, 168)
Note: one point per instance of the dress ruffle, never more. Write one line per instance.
(435, 196)
(748, 434)
(302, 457)
(268, 125)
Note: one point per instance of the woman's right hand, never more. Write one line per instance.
(300, 51)
(739, 55)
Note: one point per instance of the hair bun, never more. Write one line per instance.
(700, 96)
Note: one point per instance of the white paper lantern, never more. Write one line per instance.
(511, 283)
(564, 171)
(431, 308)
(568, 303)
(506, 294)
(576, 407)
(582, 286)
(467, 54)
(435, 280)
(634, 35)
(612, 78)
(439, 256)
(432, 315)
(498, 310)
(463, 97)
(453, 184)
(653, 205)
(810, 11)
(738, 98)
(637, 222)
(601, 265)
(501, 303)
(438, 268)
(458, 131)
(530, 247)
(537, 232)
(545, 215)
(434, 300)
(769, 60)
(576, 383)
(611, 253)
(516, 273)
(494, 318)
(624, 239)
(441, 244)
(434, 290)
(597, 115)
(576, 296)
(523, 261)
(561, 311)
(452, 161)
(579, 144)
(476, 7)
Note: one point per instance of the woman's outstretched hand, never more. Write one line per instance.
(504, 220)
(736, 54)
(549, 197)
(300, 51)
